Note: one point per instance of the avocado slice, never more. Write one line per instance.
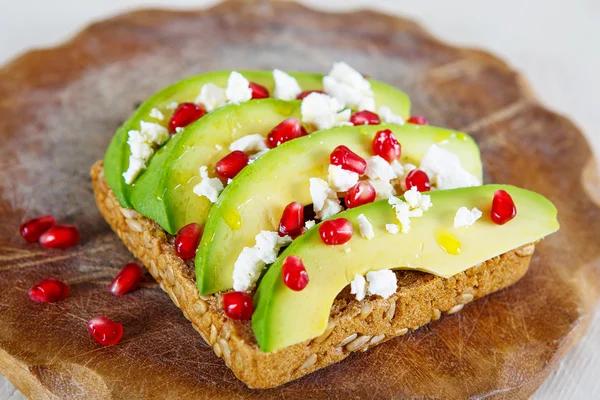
(284, 317)
(255, 200)
(116, 160)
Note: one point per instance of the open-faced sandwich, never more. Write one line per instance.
(296, 218)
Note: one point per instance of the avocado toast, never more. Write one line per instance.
(311, 303)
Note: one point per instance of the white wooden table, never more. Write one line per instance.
(553, 42)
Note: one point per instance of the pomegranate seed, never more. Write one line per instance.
(302, 95)
(336, 231)
(34, 228)
(238, 305)
(105, 331)
(348, 160)
(503, 207)
(294, 274)
(292, 220)
(127, 280)
(386, 145)
(187, 240)
(185, 114)
(60, 237)
(48, 291)
(288, 129)
(361, 193)
(365, 118)
(258, 91)
(418, 178)
(418, 120)
(230, 165)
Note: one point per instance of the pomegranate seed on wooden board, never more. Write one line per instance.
(386, 145)
(60, 237)
(34, 228)
(127, 280)
(187, 240)
(105, 331)
(348, 160)
(185, 114)
(294, 274)
(238, 305)
(361, 193)
(336, 231)
(230, 165)
(292, 220)
(418, 178)
(418, 120)
(503, 207)
(48, 291)
(365, 118)
(302, 95)
(286, 130)
(258, 91)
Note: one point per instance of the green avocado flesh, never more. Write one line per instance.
(116, 160)
(256, 198)
(283, 317)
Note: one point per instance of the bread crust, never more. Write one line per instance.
(353, 325)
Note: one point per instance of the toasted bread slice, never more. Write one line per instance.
(353, 325)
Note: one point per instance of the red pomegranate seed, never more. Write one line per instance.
(503, 207)
(302, 95)
(418, 178)
(292, 221)
(418, 120)
(348, 160)
(288, 129)
(105, 331)
(185, 114)
(127, 280)
(361, 193)
(230, 165)
(60, 237)
(294, 274)
(238, 305)
(48, 291)
(258, 91)
(336, 231)
(187, 240)
(365, 118)
(386, 145)
(34, 228)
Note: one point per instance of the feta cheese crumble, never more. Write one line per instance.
(464, 217)
(208, 187)
(178, 129)
(324, 111)
(238, 88)
(415, 205)
(392, 228)
(349, 87)
(172, 105)
(142, 144)
(156, 114)
(358, 286)
(383, 189)
(325, 200)
(366, 228)
(445, 171)
(340, 179)
(309, 224)
(386, 114)
(286, 86)
(249, 144)
(211, 97)
(382, 283)
(379, 168)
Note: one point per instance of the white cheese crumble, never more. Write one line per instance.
(252, 260)
(383, 189)
(325, 200)
(366, 228)
(349, 87)
(358, 286)
(255, 156)
(382, 283)
(142, 144)
(386, 115)
(416, 204)
(330, 208)
(445, 171)
(249, 144)
(309, 224)
(172, 105)
(208, 187)
(156, 114)
(211, 97)
(392, 228)
(286, 86)
(464, 217)
(238, 88)
(417, 200)
(324, 111)
(178, 129)
(340, 179)
(379, 168)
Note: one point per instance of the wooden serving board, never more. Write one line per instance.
(60, 107)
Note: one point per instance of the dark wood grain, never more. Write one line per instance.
(59, 108)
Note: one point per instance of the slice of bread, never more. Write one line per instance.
(353, 325)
